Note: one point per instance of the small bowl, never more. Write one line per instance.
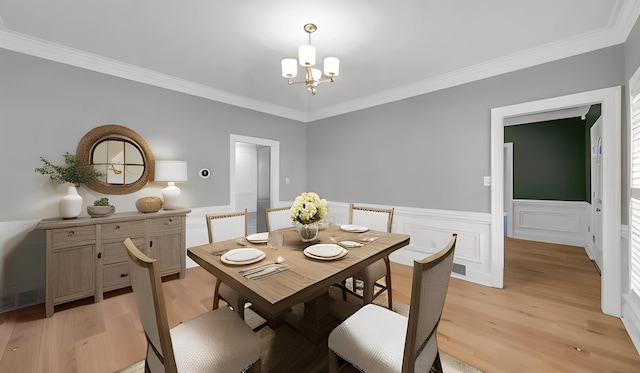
(100, 211)
(149, 204)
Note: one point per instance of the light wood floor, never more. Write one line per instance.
(546, 319)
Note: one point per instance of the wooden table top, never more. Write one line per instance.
(306, 278)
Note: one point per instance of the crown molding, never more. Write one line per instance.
(622, 20)
(58, 53)
(616, 32)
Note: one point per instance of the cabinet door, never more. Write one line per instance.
(73, 273)
(166, 249)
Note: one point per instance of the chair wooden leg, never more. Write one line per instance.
(216, 295)
(344, 290)
(388, 282)
(368, 290)
(333, 362)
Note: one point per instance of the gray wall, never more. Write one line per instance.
(46, 108)
(432, 151)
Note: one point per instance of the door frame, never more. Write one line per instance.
(508, 181)
(274, 193)
(610, 98)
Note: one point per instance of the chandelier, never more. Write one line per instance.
(307, 58)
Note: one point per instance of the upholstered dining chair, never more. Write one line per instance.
(398, 343)
(380, 220)
(222, 227)
(216, 341)
(277, 218)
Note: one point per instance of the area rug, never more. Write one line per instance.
(284, 349)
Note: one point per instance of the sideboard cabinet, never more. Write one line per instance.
(86, 257)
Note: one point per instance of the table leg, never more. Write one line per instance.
(316, 323)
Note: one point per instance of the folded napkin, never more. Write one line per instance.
(264, 270)
(349, 244)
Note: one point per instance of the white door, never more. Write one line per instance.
(246, 177)
(595, 241)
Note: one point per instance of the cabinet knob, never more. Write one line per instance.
(99, 255)
(117, 227)
(71, 233)
(124, 274)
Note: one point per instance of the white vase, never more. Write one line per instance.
(71, 204)
(307, 232)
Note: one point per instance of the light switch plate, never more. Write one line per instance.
(487, 181)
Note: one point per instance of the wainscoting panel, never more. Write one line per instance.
(561, 222)
(431, 230)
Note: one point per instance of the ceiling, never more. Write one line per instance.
(230, 51)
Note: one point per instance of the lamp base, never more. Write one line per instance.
(171, 194)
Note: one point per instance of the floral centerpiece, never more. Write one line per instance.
(307, 210)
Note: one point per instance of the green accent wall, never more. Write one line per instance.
(552, 159)
(549, 160)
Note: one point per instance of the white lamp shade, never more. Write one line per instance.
(173, 171)
(331, 66)
(307, 55)
(316, 74)
(289, 68)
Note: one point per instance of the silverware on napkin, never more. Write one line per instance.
(264, 270)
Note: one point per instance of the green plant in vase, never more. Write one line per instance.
(73, 172)
(101, 208)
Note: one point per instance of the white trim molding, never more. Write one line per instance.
(615, 32)
(610, 98)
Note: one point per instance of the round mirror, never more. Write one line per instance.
(120, 155)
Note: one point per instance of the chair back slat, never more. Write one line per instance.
(372, 218)
(147, 288)
(428, 292)
(277, 218)
(226, 226)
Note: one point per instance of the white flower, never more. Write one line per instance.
(308, 208)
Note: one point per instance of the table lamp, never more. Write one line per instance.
(172, 172)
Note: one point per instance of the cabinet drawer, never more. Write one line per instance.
(73, 236)
(122, 230)
(165, 225)
(116, 276)
(114, 252)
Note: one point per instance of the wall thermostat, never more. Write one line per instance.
(204, 173)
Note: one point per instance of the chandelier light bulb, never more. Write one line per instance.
(316, 74)
(331, 66)
(307, 55)
(289, 68)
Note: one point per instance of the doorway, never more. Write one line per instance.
(610, 98)
(254, 171)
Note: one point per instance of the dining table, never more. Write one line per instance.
(306, 278)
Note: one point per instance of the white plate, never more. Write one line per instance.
(243, 256)
(258, 237)
(353, 228)
(340, 254)
(324, 250)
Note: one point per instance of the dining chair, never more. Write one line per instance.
(216, 341)
(277, 218)
(222, 227)
(380, 220)
(398, 343)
